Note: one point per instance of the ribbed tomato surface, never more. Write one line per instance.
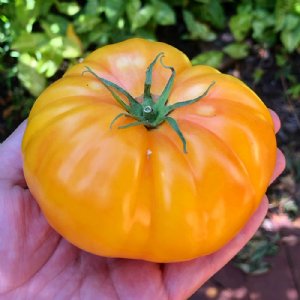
(133, 192)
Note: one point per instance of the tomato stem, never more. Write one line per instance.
(148, 112)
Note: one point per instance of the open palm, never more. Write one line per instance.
(37, 263)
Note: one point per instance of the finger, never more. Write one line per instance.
(135, 279)
(183, 279)
(276, 120)
(280, 159)
(11, 164)
(280, 165)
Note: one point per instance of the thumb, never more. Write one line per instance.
(11, 162)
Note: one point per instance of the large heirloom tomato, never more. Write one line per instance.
(123, 165)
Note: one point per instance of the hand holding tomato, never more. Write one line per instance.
(37, 263)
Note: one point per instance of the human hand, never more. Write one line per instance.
(37, 263)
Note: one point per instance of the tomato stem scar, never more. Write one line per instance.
(149, 112)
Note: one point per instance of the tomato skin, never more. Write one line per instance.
(133, 192)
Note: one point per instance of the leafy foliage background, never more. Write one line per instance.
(39, 38)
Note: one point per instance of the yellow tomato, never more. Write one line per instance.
(134, 192)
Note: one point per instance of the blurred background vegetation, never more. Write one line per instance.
(256, 40)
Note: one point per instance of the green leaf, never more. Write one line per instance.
(258, 74)
(211, 58)
(56, 44)
(213, 13)
(49, 67)
(28, 60)
(65, 47)
(49, 61)
(246, 7)
(143, 16)
(100, 35)
(68, 8)
(281, 59)
(146, 34)
(290, 206)
(240, 25)
(57, 25)
(164, 14)
(237, 50)
(297, 7)
(34, 82)
(294, 91)
(182, 3)
(196, 29)
(244, 267)
(137, 15)
(29, 42)
(291, 22)
(70, 48)
(27, 12)
(86, 23)
(290, 39)
(203, 1)
(282, 9)
(132, 7)
(113, 9)
(262, 21)
(92, 8)
(49, 29)
(44, 6)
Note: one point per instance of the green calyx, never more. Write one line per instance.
(149, 112)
